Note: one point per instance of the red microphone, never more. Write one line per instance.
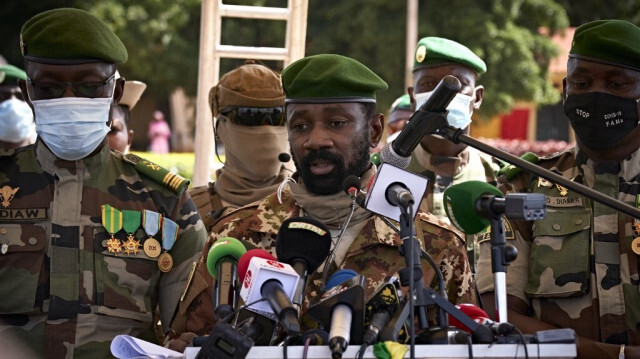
(481, 317)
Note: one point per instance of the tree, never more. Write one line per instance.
(504, 33)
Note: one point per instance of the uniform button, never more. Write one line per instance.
(33, 241)
(556, 227)
(3, 231)
(578, 221)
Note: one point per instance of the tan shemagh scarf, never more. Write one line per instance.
(251, 170)
(332, 210)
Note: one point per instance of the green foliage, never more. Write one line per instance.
(162, 38)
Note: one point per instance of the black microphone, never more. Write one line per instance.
(397, 194)
(284, 157)
(427, 120)
(303, 243)
(221, 263)
(341, 309)
(351, 186)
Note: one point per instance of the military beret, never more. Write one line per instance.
(434, 51)
(250, 85)
(69, 36)
(9, 74)
(612, 42)
(328, 78)
(400, 109)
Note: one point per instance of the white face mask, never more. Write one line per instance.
(16, 121)
(72, 127)
(459, 115)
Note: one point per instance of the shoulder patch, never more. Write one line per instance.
(511, 171)
(159, 174)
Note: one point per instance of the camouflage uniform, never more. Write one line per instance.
(374, 254)
(443, 172)
(62, 292)
(576, 268)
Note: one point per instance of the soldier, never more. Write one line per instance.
(121, 135)
(247, 104)
(332, 123)
(399, 114)
(438, 159)
(17, 128)
(91, 241)
(578, 267)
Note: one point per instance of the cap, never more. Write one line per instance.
(434, 51)
(132, 92)
(69, 36)
(9, 74)
(330, 78)
(250, 85)
(611, 42)
(400, 109)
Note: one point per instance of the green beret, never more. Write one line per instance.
(9, 74)
(611, 42)
(434, 51)
(330, 78)
(400, 109)
(69, 36)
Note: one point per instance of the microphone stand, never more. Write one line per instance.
(456, 135)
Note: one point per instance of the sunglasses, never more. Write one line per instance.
(255, 116)
(81, 89)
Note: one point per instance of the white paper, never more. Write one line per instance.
(128, 347)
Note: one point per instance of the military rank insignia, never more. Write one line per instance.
(6, 195)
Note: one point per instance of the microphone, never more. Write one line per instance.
(426, 120)
(380, 307)
(481, 317)
(314, 336)
(263, 276)
(221, 263)
(341, 309)
(397, 194)
(303, 243)
(470, 205)
(284, 157)
(351, 185)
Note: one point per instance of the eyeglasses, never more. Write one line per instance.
(254, 116)
(80, 89)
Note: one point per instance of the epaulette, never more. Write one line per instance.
(159, 174)
(511, 171)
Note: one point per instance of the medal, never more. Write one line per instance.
(151, 222)
(169, 235)
(635, 245)
(112, 223)
(130, 223)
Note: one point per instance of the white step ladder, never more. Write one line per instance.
(211, 51)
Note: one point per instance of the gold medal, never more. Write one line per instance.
(635, 246)
(131, 245)
(165, 262)
(152, 247)
(114, 246)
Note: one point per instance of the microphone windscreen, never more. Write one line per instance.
(284, 157)
(243, 262)
(224, 247)
(349, 182)
(340, 277)
(474, 312)
(303, 238)
(460, 205)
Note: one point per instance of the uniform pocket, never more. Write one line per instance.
(23, 246)
(559, 264)
(126, 284)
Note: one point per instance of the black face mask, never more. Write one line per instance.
(601, 120)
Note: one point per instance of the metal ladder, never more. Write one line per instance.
(211, 51)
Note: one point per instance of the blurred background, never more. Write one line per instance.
(524, 43)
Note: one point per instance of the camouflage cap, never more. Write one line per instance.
(611, 42)
(9, 74)
(435, 51)
(400, 109)
(250, 85)
(330, 78)
(69, 36)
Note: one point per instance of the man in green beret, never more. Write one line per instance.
(92, 242)
(332, 122)
(399, 114)
(578, 268)
(17, 128)
(436, 158)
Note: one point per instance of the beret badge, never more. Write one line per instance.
(421, 53)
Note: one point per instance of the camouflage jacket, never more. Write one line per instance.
(576, 268)
(63, 293)
(209, 204)
(374, 254)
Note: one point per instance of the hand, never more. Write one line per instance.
(181, 342)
